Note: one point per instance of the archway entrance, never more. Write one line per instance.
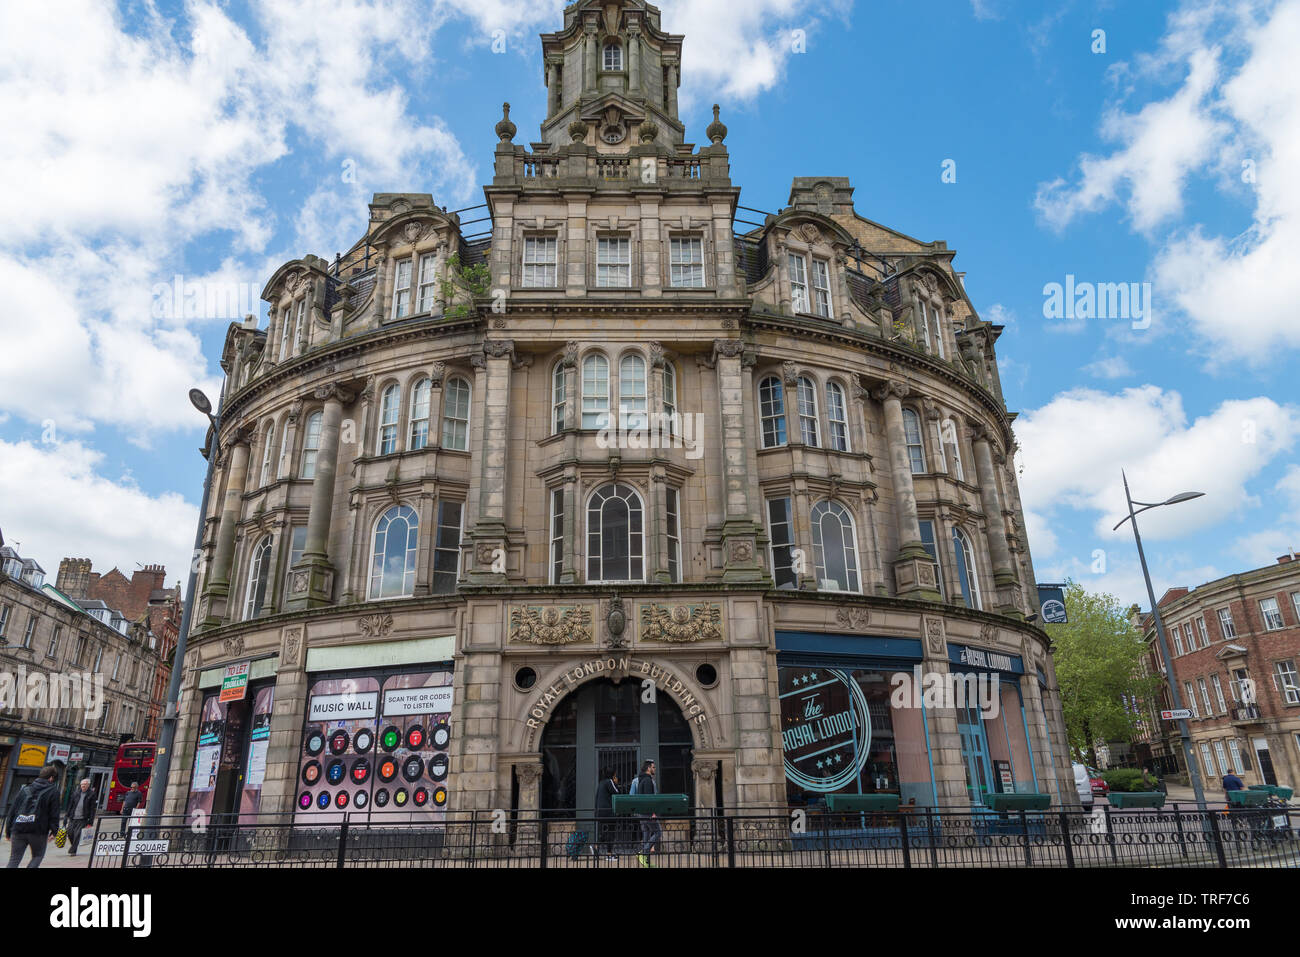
(607, 725)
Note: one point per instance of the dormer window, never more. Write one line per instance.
(613, 56)
(814, 299)
(402, 290)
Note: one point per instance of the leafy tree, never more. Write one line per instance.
(1098, 669)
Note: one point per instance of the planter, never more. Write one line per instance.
(861, 802)
(1017, 802)
(1132, 799)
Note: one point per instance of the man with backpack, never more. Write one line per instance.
(34, 817)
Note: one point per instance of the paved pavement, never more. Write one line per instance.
(54, 857)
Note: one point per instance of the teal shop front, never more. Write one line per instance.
(844, 730)
(994, 731)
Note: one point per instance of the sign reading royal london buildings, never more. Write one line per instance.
(825, 728)
(635, 668)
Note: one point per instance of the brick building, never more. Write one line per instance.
(476, 489)
(1235, 644)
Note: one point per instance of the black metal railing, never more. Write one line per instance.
(1238, 837)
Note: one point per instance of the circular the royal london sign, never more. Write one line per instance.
(825, 729)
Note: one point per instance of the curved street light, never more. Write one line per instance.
(1174, 696)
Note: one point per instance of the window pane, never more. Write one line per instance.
(392, 571)
(772, 411)
(446, 555)
(595, 392)
(632, 392)
(455, 418)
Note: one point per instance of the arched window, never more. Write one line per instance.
(632, 392)
(613, 56)
(392, 566)
(595, 392)
(837, 416)
(310, 445)
(388, 412)
(970, 588)
(951, 439)
(771, 400)
(419, 429)
(259, 571)
(615, 538)
(912, 435)
(268, 453)
(558, 399)
(835, 550)
(807, 411)
(455, 415)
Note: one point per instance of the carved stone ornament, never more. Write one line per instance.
(414, 231)
(291, 646)
(616, 624)
(550, 624)
(789, 372)
(233, 646)
(499, 348)
(332, 391)
(810, 232)
(934, 635)
(926, 574)
(890, 389)
(704, 771)
(727, 348)
(742, 551)
(505, 129)
(570, 354)
(298, 583)
(682, 623)
(656, 355)
(437, 373)
(485, 553)
(931, 409)
(529, 774)
(578, 131)
(376, 626)
(854, 617)
(988, 634)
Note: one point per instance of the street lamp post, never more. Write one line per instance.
(1174, 696)
(163, 756)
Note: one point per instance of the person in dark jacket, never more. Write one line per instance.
(650, 831)
(79, 813)
(129, 804)
(39, 804)
(606, 828)
(1231, 783)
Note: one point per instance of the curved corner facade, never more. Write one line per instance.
(624, 478)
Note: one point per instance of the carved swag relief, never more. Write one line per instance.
(681, 623)
(550, 624)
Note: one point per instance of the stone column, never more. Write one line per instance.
(490, 522)
(1004, 574)
(589, 59)
(634, 60)
(312, 579)
(913, 571)
(218, 586)
(436, 375)
(659, 525)
(554, 95)
(289, 441)
(670, 92)
(739, 539)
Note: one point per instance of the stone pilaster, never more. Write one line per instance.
(311, 580)
(1004, 574)
(739, 538)
(216, 595)
(913, 568)
(489, 538)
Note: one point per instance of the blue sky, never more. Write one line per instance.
(210, 140)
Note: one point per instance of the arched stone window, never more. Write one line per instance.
(615, 535)
(912, 435)
(837, 417)
(310, 445)
(455, 415)
(835, 549)
(807, 412)
(771, 402)
(966, 574)
(419, 428)
(595, 391)
(259, 571)
(613, 56)
(392, 564)
(632, 392)
(389, 410)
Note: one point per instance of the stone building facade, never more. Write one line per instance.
(1236, 649)
(615, 481)
(50, 641)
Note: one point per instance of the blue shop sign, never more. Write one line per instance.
(979, 658)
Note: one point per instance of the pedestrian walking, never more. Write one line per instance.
(606, 828)
(78, 814)
(129, 804)
(34, 818)
(650, 830)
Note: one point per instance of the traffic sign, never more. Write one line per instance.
(1176, 715)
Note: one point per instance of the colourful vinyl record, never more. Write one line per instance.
(311, 772)
(304, 800)
(364, 741)
(420, 797)
(440, 797)
(360, 800)
(440, 734)
(323, 800)
(335, 771)
(341, 799)
(361, 771)
(315, 743)
(399, 797)
(387, 770)
(339, 741)
(390, 739)
(438, 767)
(381, 797)
(414, 737)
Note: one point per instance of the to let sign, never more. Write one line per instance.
(1176, 715)
(234, 684)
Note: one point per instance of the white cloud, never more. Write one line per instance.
(1074, 448)
(1289, 485)
(1109, 367)
(68, 507)
(1235, 117)
(1121, 574)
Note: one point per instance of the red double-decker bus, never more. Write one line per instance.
(134, 764)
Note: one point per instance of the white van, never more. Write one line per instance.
(1083, 784)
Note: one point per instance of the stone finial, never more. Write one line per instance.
(717, 130)
(649, 131)
(578, 130)
(505, 129)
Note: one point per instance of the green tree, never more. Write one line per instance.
(1098, 669)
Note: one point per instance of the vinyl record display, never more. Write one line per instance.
(335, 771)
(338, 741)
(414, 737)
(304, 800)
(364, 741)
(440, 797)
(390, 739)
(387, 770)
(341, 799)
(360, 799)
(361, 771)
(440, 735)
(400, 796)
(315, 743)
(381, 797)
(438, 765)
(420, 797)
(323, 800)
(413, 767)
(311, 772)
